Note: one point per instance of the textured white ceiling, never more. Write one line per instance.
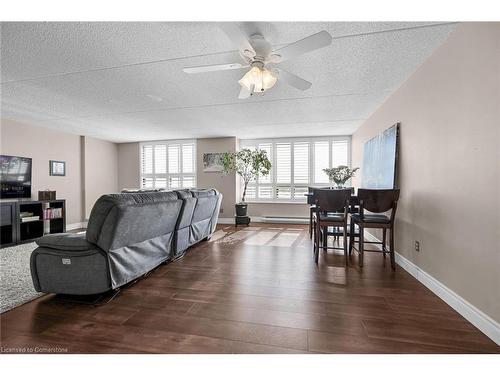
(124, 82)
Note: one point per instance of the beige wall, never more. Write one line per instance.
(449, 164)
(100, 170)
(42, 145)
(129, 172)
(91, 164)
(226, 184)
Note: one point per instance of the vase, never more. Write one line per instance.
(339, 185)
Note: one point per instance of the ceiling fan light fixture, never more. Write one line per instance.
(260, 79)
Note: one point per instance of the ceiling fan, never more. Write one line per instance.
(257, 53)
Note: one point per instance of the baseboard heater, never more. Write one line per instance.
(285, 219)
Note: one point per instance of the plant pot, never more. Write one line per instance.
(241, 209)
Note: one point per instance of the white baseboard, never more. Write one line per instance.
(74, 226)
(230, 220)
(263, 219)
(225, 220)
(479, 319)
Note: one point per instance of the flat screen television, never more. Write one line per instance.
(15, 177)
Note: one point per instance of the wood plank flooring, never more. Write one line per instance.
(254, 290)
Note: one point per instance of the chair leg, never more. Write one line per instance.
(316, 247)
(361, 244)
(345, 245)
(384, 236)
(351, 237)
(325, 238)
(310, 223)
(314, 231)
(393, 259)
(315, 238)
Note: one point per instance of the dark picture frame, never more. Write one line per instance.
(57, 168)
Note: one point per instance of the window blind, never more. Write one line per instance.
(321, 156)
(168, 164)
(283, 163)
(296, 164)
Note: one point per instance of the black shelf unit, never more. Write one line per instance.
(15, 231)
(8, 224)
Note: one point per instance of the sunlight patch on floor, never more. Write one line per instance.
(237, 236)
(218, 235)
(284, 239)
(261, 238)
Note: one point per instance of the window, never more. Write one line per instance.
(168, 164)
(297, 163)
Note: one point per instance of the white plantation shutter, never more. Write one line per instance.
(266, 192)
(160, 161)
(168, 164)
(188, 182)
(299, 191)
(321, 156)
(283, 163)
(161, 182)
(174, 182)
(174, 161)
(147, 159)
(283, 192)
(188, 157)
(147, 182)
(296, 164)
(340, 154)
(301, 163)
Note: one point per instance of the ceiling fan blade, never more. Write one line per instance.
(311, 43)
(213, 68)
(239, 39)
(293, 80)
(244, 93)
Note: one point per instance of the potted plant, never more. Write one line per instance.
(340, 175)
(249, 165)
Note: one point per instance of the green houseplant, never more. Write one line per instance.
(339, 175)
(248, 165)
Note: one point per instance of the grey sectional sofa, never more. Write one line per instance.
(127, 236)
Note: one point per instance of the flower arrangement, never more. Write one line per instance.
(340, 175)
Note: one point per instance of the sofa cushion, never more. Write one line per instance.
(65, 241)
(198, 193)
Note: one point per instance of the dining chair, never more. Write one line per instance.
(378, 202)
(353, 208)
(332, 209)
(312, 207)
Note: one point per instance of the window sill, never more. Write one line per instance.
(276, 202)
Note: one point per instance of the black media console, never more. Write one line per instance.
(25, 220)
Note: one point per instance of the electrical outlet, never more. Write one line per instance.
(221, 210)
(417, 246)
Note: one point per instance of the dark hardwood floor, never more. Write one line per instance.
(254, 290)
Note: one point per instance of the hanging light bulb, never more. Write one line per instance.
(261, 79)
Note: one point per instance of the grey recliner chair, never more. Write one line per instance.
(127, 236)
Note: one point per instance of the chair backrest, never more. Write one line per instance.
(332, 200)
(378, 200)
(310, 198)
